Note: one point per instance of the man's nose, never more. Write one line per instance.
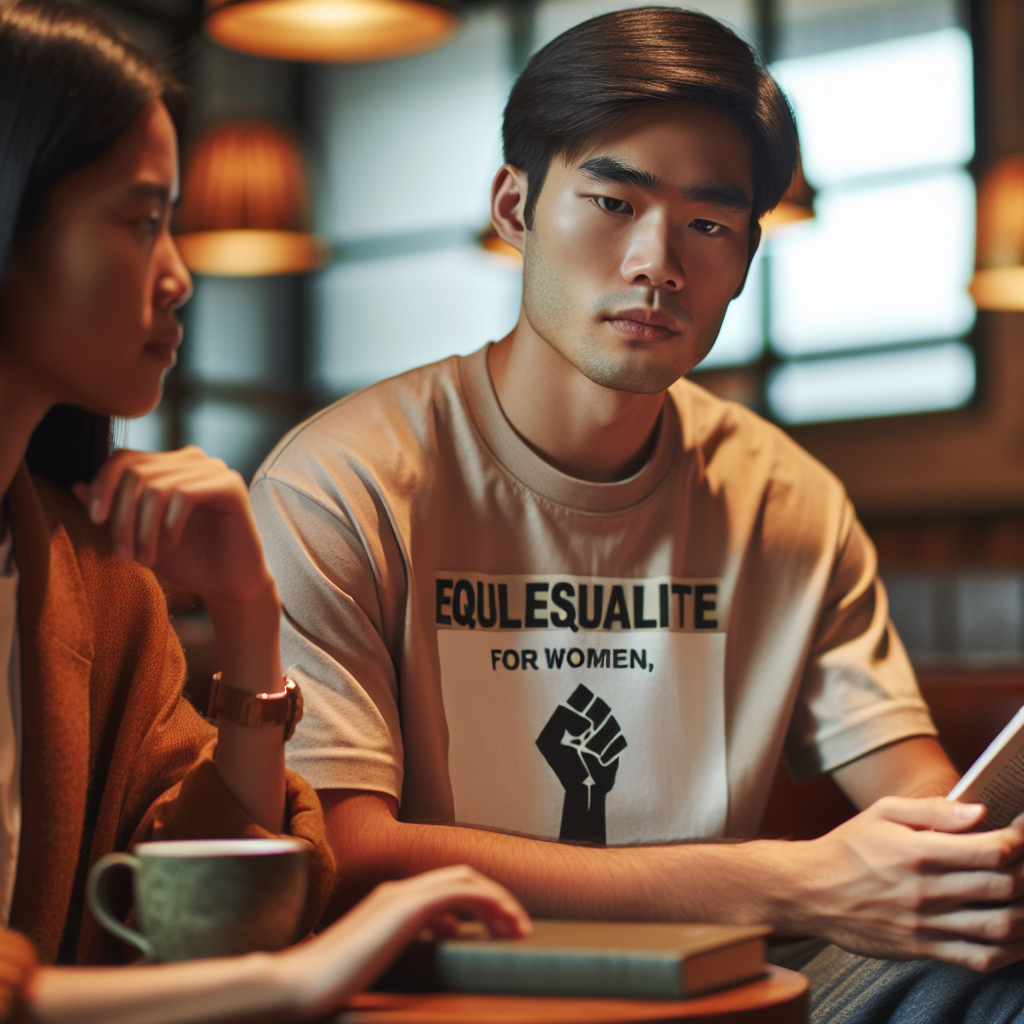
(651, 257)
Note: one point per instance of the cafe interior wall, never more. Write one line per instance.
(941, 492)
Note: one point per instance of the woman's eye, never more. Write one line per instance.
(613, 205)
(706, 227)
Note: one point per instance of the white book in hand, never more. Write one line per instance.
(996, 779)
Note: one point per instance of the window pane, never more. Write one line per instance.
(413, 144)
(242, 329)
(876, 265)
(382, 317)
(143, 433)
(816, 26)
(741, 337)
(241, 435)
(913, 380)
(890, 106)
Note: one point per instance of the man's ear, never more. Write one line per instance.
(754, 242)
(508, 201)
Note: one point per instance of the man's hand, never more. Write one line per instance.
(897, 882)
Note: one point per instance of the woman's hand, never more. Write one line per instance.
(184, 515)
(188, 517)
(356, 950)
(303, 982)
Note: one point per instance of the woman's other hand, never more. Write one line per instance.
(186, 516)
(355, 951)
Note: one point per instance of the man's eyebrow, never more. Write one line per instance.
(731, 197)
(607, 168)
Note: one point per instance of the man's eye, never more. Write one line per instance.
(706, 227)
(613, 205)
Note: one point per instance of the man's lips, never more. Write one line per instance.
(644, 324)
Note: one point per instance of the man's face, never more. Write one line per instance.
(638, 245)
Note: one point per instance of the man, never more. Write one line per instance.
(553, 591)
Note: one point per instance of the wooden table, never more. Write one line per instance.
(778, 998)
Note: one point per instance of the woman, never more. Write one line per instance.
(98, 750)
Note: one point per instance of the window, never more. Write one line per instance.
(863, 311)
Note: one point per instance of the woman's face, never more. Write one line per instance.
(87, 307)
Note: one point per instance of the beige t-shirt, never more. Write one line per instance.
(10, 726)
(493, 642)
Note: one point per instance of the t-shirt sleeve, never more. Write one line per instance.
(332, 642)
(858, 692)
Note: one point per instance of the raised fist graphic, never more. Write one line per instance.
(582, 743)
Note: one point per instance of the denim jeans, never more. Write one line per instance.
(851, 989)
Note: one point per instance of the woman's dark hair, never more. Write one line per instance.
(592, 76)
(69, 86)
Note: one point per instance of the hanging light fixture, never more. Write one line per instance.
(999, 279)
(796, 205)
(331, 30)
(492, 242)
(244, 208)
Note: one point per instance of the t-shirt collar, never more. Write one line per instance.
(543, 478)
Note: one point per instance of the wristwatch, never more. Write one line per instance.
(244, 708)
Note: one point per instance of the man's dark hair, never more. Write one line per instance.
(69, 86)
(591, 77)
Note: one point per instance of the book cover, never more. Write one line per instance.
(607, 959)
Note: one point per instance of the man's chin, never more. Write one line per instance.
(638, 377)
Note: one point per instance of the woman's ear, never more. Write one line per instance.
(508, 201)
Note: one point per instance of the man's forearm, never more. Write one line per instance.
(894, 881)
(728, 882)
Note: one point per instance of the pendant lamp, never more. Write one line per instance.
(349, 31)
(492, 242)
(796, 205)
(999, 279)
(244, 208)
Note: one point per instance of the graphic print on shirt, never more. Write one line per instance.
(582, 742)
(536, 669)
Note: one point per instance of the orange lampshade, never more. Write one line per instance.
(999, 279)
(796, 205)
(330, 30)
(490, 240)
(244, 208)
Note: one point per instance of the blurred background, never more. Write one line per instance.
(863, 330)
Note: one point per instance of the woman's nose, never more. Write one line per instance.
(174, 286)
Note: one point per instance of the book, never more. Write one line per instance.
(996, 779)
(609, 960)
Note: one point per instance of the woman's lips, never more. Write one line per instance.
(164, 346)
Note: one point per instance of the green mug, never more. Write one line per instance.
(199, 898)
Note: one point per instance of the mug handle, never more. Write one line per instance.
(96, 896)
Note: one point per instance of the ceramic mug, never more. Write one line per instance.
(208, 897)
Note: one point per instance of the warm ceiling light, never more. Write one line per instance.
(999, 280)
(796, 205)
(244, 207)
(330, 30)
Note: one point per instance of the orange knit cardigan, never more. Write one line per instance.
(111, 751)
